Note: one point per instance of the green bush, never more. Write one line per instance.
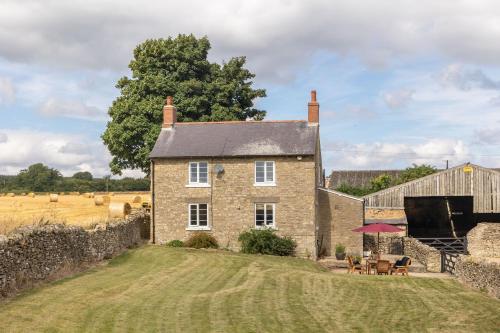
(339, 248)
(175, 243)
(202, 240)
(265, 241)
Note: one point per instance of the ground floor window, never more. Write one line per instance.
(198, 215)
(264, 215)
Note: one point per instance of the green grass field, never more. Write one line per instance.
(158, 289)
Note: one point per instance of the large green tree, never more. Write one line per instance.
(415, 172)
(202, 91)
(38, 177)
(83, 175)
(380, 182)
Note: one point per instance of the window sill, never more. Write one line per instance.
(198, 185)
(264, 184)
(198, 228)
(266, 227)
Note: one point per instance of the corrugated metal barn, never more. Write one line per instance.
(445, 204)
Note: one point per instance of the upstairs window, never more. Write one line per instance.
(264, 173)
(198, 215)
(198, 173)
(264, 215)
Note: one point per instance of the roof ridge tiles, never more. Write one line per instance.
(239, 122)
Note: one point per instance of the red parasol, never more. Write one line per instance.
(378, 228)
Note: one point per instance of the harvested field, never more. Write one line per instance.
(70, 209)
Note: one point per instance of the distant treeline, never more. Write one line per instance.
(41, 178)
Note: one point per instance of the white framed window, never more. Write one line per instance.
(198, 174)
(265, 173)
(265, 215)
(198, 216)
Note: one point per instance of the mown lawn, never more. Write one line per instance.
(158, 289)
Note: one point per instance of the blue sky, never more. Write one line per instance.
(398, 82)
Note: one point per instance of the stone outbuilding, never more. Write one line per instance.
(224, 178)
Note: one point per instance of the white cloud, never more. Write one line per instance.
(71, 109)
(460, 77)
(132, 173)
(384, 155)
(75, 148)
(398, 99)
(26, 147)
(7, 91)
(100, 34)
(489, 135)
(67, 153)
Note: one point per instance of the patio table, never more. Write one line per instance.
(370, 263)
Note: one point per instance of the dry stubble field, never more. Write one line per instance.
(70, 209)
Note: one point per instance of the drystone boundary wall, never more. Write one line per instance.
(479, 273)
(389, 243)
(425, 254)
(37, 253)
(484, 240)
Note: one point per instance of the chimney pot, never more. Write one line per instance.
(313, 109)
(169, 113)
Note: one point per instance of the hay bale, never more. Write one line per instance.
(54, 197)
(88, 195)
(11, 195)
(99, 201)
(119, 209)
(23, 194)
(111, 194)
(62, 193)
(31, 195)
(137, 199)
(74, 193)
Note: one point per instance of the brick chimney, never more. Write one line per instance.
(313, 109)
(169, 113)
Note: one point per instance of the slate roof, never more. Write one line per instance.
(238, 138)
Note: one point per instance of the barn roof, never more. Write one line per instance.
(238, 138)
(358, 178)
(400, 221)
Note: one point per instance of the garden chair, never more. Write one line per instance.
(352, 268)
(401, 266)
(383, 267)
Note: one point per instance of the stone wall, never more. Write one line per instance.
(478, 273)
(484, 240)
(338, 215)
(231, 199)
(426, 255)
(390, 243)
(34, 254)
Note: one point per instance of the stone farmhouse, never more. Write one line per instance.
(228, 177)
